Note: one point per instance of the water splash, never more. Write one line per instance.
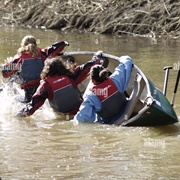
(8, 103)
(45, 112)
(10, 106)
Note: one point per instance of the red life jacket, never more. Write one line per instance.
(112, 100)
(66, 97)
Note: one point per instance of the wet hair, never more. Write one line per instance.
(99, 73)
(28, 43)
(54, 67)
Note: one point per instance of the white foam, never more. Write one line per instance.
(10, 106)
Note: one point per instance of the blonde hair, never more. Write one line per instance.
(28, 43)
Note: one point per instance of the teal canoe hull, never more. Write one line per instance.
(159, 113)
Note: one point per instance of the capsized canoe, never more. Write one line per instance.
(147, 106)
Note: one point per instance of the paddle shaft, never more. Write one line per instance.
(167, 68)
(176, 87)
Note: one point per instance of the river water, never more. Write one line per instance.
(46, 146)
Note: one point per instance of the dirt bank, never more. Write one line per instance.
(132, 17)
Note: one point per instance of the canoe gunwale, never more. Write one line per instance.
(114, 58)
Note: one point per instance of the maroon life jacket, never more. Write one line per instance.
(30, 68)
(66, 96)
(112, 100)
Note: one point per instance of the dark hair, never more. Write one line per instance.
(99, 73)
(54, 67)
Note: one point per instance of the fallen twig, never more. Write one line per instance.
(165, 7)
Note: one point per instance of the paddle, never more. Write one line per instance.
(176, 87)
(167, 68)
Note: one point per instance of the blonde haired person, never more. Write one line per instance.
(28, 64)
(29, 43)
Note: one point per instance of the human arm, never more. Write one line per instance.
(54, 49)
(82, 71)
(122, 73)
(88, 108)
(38, 100)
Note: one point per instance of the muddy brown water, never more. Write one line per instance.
(46, 146)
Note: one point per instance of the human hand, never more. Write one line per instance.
(8, 59)
(97, 57)
(66, 43)
(74, 121)
(99, 54)
(22, 113)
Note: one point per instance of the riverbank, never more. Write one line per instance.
(137, 18)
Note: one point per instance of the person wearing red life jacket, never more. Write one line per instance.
(59, 86)
(28, 64)
(104, 98)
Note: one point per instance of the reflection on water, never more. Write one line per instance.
(45, 146)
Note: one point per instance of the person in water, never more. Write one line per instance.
(59, 86)
(28, 64)
(104, 98)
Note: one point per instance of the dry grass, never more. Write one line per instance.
(139, 17)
